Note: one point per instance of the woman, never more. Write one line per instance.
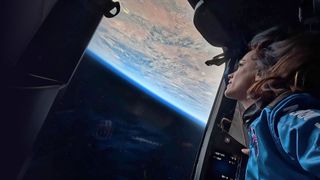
(282, 114)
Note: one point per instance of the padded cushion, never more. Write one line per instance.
(230, 23)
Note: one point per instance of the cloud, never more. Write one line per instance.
(157, 41)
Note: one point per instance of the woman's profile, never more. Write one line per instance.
(277, 84)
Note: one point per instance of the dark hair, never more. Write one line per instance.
(262, 41)
(296, 65)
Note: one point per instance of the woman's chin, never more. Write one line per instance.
(228, 94)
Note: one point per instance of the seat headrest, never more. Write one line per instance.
(230, 23)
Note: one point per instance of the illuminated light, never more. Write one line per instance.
(218, 158)
(227, 140)
(225, 177)
(233, 158)
(231, 162)
(220, 154)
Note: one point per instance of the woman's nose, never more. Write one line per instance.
(230, 75)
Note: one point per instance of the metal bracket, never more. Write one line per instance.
(216, 60)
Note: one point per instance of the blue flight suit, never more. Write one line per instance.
(284, 139)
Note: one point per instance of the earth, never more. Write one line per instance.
(155, 45)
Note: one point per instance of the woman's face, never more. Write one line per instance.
(241, 79)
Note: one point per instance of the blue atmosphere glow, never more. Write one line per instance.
(146, 89)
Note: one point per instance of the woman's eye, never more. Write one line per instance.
(237, 66)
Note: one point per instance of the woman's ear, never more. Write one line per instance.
(258, 76)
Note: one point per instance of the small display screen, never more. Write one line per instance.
(223, 166)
